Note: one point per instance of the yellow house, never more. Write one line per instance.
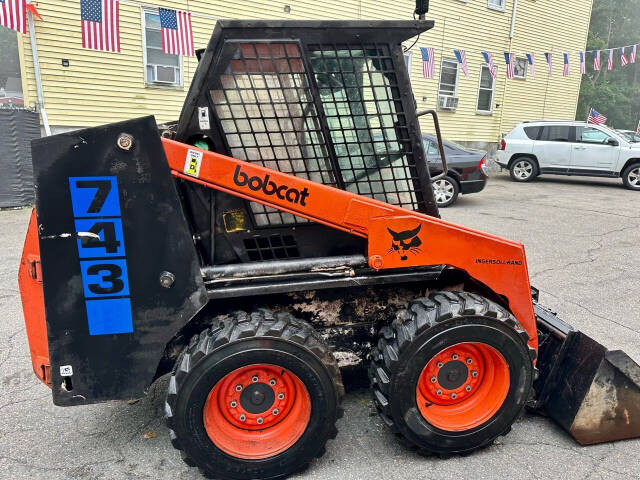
(82, 88)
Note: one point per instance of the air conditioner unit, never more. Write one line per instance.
(447, 102)
(162, 74)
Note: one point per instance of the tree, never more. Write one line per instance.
(615, 94)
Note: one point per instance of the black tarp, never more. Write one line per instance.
(17, 129)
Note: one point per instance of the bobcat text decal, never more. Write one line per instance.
(283, 192)
(405, 242)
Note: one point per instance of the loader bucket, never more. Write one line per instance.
(593, 393)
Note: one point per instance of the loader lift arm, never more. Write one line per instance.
(391, 231)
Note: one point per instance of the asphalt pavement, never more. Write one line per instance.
(582, 238)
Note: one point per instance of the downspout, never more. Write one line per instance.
(513, 18)
(36, 72)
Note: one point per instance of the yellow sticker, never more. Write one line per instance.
(193, 162)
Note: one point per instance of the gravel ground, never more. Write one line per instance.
(581, 237)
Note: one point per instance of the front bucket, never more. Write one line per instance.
(592, 392)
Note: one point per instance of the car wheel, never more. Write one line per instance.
(523, 169)
(446, 191)
(631, 177)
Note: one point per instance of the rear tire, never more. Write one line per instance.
(631, 177)
(523, 169)
(255, 396)
(423, 380)
(446, 191)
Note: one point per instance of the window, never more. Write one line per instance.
(448, 77)
(430, 147)
(160, 68)
(556, 133)
(591, 135)
(532, 132)
(407, 61)
(485, 91)
(496, 4)
(520, 68)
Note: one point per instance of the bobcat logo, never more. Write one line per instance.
(405, 242)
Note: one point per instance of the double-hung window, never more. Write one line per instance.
(160, 68)
(448, 77)
(485, 91)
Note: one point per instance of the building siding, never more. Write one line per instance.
(101, 87)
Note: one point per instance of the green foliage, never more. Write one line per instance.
(615, 94)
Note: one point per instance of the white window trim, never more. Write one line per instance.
(455, 91)
(493, 92)
(526, 65)
(495, 7)
(154, 10)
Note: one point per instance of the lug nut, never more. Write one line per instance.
(234, 404)
(238, 388)
(254, 379)
(454, 356)
(280, 396)
(433, 379)
(474, 373)
(453, 396)
(272, 382)
(243, 417)
(259, 420)
(468, 388)
(275, 411)
(439, 392)
(439, 364)
(469, 361)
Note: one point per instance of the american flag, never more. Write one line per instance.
(634, 53)
(623, 57)
(508, 58)
(583, 63)
(462, 60)
(638, 129)
(488, 58)
(427, 62)
(596, 117)
(596, 60)
(565, 72)
(532, 66)
(549, 58)
(13, 15)
(177, 36)
(100, 25)
(610, 60)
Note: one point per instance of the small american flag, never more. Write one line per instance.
(13, 15)
(488, 58)
(596, 117)
(565, 72)
(177, 36)
(624, 61)
(549, 58)
(427, 62)
(634, 54)
(532, 66)
(583, 63)
(508, 58)
(462, 60)
(638, 129)
(596, 60)
(610, 60)
(100, 25)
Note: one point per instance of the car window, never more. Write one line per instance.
(532, 132)
(430, 148)
(591, 135)
(556, 133)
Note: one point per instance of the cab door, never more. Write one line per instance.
(553, 148)
(591, 151)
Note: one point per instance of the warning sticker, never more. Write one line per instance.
(193, 162)
(203, 118)
(66, 370)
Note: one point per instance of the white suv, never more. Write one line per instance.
(569, 148)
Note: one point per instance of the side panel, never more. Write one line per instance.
(111, 227)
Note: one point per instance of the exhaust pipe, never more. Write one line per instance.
(593, 393)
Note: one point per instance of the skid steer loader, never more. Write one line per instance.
(281, 234)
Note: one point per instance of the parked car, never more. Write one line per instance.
(467, 170)
(569, 148)
(630, 135)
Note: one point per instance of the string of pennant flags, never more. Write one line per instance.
(627, 54)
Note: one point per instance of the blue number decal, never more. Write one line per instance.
(105, 281)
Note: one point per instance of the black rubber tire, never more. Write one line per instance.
(428, 326)
(534, 169)
(456, 192)
(242, 339)
(625, 177)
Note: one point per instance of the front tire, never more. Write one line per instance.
(631, 177)
(255, 396)
(446, 191)
(452, 373)
(523, 169)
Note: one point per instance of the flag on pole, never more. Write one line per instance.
(462, 60)
(634, 53)
(549, 58)
(583, 63)
(565, 72)
(596, 117)
(177, 36)
(610, 60)
(488, 58)
(508, 58)
(427, 62)
(13, 15)
(596, 60)
(624, 61)
(638, 129)
(531, 60)
(100, 25)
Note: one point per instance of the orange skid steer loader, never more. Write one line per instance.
(281, 235)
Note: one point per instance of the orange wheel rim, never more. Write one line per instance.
(257, 411)
(463, 386)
